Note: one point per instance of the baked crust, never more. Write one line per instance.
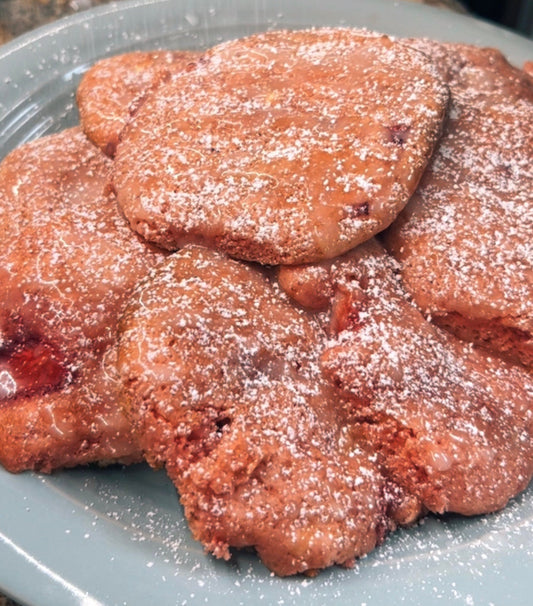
(67, 264)
(223, 387)
(451, 425)
(113, 88)
(465, 238)
(283, 147)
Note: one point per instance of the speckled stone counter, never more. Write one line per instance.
(19, 16)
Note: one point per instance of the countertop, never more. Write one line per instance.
(19, 16)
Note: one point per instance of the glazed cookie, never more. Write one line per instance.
(450, 425)
(465, 239)
(283, 147)
(68, 262)
(223, 386)
(112, 89)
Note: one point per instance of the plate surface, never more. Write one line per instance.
(106, 537)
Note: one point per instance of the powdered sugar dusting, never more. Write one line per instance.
(448, 559)
(225, 389)
(465, 238)
(112, 89)
(446, 416)
(68, 263)
(247, 581)
(283, 147)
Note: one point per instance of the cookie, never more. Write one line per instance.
(450, 425)
(223, 386)
(68, 262)
(112, 89)
(464, 240)
(284, 147)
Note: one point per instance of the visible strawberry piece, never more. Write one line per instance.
(30, 367)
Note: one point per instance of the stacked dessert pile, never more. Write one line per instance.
(295, 271)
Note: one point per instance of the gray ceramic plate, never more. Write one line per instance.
(117, 536)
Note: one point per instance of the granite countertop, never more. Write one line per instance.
(20, 16)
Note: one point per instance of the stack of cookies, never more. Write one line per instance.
(295, 271)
